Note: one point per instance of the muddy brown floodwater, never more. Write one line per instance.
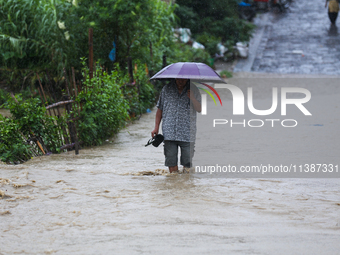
(97, 203)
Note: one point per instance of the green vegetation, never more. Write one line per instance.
(29, 123)
(106, 103)
(226, 74)
(30, 38)
(41, 40)
(40, 35)
(12, 147)
(104, 109)
(32, 120)
(109, 101)
(3, 97)
(185, 53)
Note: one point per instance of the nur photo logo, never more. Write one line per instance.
(204, 97)
(238, 105)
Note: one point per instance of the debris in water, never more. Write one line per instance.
(20, 185)
(70, 189)
(55, 197)
(49, 251)
(162, 172)
(147, 173)
(5, 181)
(3, 194)
(19, 198)
(156, 172)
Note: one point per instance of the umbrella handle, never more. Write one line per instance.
(150, 142)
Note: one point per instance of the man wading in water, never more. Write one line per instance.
(177, 107)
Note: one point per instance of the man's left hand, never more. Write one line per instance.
(197, 105)
(190, 94)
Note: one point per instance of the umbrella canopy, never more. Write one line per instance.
(189, 70)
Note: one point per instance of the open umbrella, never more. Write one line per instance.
(198, 72)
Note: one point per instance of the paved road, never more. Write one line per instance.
(301, 40)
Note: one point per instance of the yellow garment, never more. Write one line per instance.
(333, 6)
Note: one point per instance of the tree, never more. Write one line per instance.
(32, 35)
(134, 25)
(36, 35)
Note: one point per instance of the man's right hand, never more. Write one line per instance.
(154, 132)
(157, 122)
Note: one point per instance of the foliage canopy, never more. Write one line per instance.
(53, 34)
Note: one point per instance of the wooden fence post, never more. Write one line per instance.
(130, 69)
(91, 52)
(164, 61)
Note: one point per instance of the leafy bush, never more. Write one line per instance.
(226, 74)
(144, 90)
(12, 145)
(3, 97)
(185, 53)
(33, 121)
(104, 109)
(146, 96)
(209, 41)
(29, 124)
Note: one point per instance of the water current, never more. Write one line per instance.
(99, 202)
